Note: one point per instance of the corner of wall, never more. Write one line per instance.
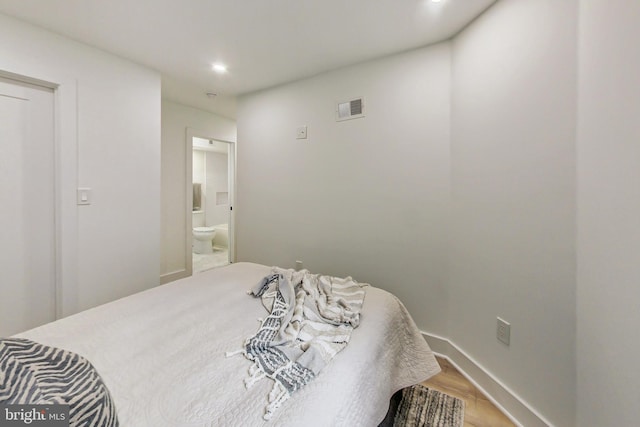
(505, 399)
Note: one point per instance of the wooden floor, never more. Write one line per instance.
(479, 411)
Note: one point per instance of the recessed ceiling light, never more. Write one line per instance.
(435, 1)
(219, 68)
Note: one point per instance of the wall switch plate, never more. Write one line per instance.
(302, 132)
(503, 331)
(84, 196)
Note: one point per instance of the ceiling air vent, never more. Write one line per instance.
(352, 109)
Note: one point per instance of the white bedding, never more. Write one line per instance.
(161, 353)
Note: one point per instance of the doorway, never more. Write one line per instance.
(27, 196)
(210, 181)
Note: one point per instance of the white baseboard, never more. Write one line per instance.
(174, 275)
(514, 407)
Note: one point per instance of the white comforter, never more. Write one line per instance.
(161, 353)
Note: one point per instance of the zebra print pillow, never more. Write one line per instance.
(32, 373)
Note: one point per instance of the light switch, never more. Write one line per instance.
(302, 132)
(84, 196)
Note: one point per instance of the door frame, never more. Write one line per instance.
(231, 171)
(65, 137)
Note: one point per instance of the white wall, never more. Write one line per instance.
(199, 175)
(176, 119)
(462, 227)
(365, 197)
(513, 195)
(217, 212)
(608, 214)
(109, 114)
(199, 170)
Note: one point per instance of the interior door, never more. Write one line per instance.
(27, 207)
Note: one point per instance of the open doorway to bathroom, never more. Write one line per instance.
(210, 203)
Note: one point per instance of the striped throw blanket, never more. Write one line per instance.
(310, 320)
(36, 374)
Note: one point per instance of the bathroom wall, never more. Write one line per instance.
(108, 118)
(199, 173)
(176, 119)
(217, 211)
(211, 170)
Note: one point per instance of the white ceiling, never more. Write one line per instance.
(263, 42)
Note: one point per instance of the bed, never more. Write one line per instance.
(162, 355)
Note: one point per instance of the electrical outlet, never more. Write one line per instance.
(298, 265)
(503, 331)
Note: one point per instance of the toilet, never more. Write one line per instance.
(203, 239)
(202, 235)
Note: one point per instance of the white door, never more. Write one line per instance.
(27, 207)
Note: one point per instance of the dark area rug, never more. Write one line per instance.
(419, 406)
